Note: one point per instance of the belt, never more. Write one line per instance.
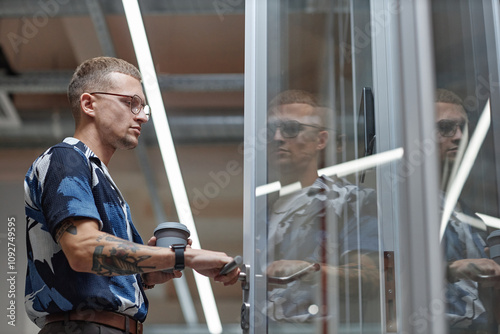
(111, 319)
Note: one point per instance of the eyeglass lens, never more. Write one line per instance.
(288, 129)
(448, 128)
(136, 105)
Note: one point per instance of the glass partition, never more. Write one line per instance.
(466, 56)
(374, 165)
(318, 256)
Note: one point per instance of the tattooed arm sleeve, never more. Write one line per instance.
(90, 250)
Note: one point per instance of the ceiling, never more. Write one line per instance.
(197, 47)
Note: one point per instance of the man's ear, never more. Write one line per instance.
(87, 104)
(322, 139)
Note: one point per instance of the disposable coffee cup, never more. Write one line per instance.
(493, 242)
(171, 233)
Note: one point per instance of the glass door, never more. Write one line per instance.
(466, 54)
(314, 255)
(321, 258)
(358, 219)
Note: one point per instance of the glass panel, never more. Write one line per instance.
(323, 261)
(466, 103)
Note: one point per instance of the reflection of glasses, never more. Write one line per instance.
(448, 128)
(288, 129)
(136, 104)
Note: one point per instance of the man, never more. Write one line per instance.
(464, 245)
(87, 265)
(317, 224)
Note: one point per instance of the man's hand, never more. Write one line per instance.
(159, 277)
(209, 263)
(476, 269)
(284, 268)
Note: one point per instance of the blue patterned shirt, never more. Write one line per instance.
(318, 224)
(466, 310)
(69, 180)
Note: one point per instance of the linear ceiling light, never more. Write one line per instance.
(167, 149)
(340, 170)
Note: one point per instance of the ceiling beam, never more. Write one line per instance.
(99, 19)
(185, 130)
(57, 8)
(57, 82)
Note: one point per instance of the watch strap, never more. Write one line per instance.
(179, 256)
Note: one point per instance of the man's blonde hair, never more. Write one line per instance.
(299, 96)
(293, 96)
(447, 96)
(94, 75)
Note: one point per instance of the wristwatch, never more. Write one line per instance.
(179, 255)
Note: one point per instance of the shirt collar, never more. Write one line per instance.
(84, 148)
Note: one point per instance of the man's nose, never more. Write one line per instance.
(458, 134)
(142, 117)
(277, 135)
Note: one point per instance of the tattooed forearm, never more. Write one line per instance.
(134, 247)
(66, 226)
(118, 261)
(121, 243)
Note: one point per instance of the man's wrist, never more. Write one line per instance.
(144, 284)
(450, 273)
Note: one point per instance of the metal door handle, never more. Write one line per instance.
(245, 307)
(299, 274)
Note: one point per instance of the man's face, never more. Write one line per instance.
(118, 126)
(299, 152)
(451, 119)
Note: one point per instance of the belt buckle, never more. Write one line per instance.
(138, 327)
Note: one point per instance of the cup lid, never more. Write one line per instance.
(494, 234)
(172, 225)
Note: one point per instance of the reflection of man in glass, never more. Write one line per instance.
(322, 223)
(451, 123)
(464, 245)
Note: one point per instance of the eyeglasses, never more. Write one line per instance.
(288, 129)
(448, 128)
(136, 104)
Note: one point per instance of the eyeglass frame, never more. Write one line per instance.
(145, 107)
(300, 128)
(456, 125)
